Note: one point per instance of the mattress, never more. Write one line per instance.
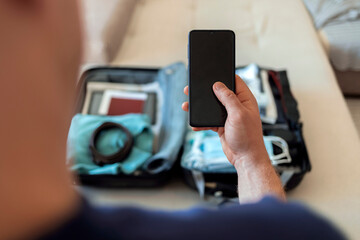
(277, 34)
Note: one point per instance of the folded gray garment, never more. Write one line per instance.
(325, 12)
(172, 81)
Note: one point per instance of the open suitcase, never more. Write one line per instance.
(164, 90)
(171, 80)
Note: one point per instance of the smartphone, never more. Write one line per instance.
(211, 59)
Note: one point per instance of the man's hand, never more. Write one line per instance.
(241, 137)
(243, 144)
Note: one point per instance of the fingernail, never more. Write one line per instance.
(218, 85)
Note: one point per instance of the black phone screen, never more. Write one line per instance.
(211, 59)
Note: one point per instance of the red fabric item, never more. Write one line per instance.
(121, 106)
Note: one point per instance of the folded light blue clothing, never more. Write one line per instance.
(172, 80)
(203, 152)
(83, 126)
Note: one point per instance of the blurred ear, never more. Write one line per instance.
(24, 3)
(23, 10)
(22, 6)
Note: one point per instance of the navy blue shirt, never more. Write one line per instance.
(268, 219)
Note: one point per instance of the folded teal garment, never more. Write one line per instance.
(83, 126)
(203, 152)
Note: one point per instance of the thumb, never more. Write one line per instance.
(226, 97)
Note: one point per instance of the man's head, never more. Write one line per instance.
(40, 49)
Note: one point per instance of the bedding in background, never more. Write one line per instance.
(105, 25)
(339, 20)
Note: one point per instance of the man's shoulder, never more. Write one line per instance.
(268, 218)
